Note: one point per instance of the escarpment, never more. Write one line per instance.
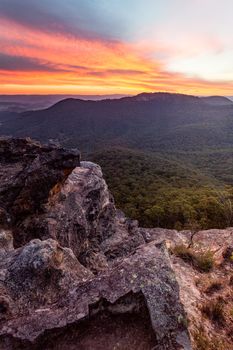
(75, 273)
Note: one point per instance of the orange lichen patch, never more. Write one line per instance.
(58, 257)
(67, 171)
(55, 190)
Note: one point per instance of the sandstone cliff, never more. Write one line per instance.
(75, 273)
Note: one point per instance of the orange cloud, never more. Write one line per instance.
(33, 61)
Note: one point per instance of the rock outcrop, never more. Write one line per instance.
(83, 217)
(202, 263)
(75, 273)
(28, 172)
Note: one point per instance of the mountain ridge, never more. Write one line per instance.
(155, 115)
(146, 97)
(183, 129)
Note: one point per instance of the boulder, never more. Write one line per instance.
(57, 295)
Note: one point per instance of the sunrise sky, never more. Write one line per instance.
(116, 46)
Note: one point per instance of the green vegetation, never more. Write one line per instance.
(201, 260)
(183, 252)
(162, 192)
(204, 261)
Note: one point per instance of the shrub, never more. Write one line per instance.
(203, 261)
(202, 342)
(214, 310)
(183, 252)
(213, 287)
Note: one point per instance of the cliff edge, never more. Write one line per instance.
(76, 273)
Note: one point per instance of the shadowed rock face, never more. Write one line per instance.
(28, 171)
(81, 274)
(121, 325)
(46, 288)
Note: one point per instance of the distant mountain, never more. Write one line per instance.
(159, 121)
(194, 129)
(218, 100)
(20, 103)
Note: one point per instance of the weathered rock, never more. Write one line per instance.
(6, 241)
(47, 286)
(83, 217)
(141, 285)
(38, 199)
(28, 171)
(32, 274)
(199, 289)
(82, 213)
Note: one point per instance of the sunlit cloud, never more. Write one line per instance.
(47, 51)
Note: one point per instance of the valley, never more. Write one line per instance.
(167, 158)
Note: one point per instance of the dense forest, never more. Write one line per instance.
(165, 193)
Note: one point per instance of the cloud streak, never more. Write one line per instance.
(75, 18)
(78, 47)
(24, 64)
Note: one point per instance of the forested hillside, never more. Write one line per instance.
(160, 192)
(168, 158)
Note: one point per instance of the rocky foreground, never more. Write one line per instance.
(75, 273)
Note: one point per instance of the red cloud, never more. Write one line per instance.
(40, 62)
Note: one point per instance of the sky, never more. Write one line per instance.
(116, 46)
